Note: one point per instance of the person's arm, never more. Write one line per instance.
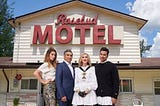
(114, 101)
(116, 81)
(38, 74)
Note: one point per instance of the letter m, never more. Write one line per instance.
(37, 34)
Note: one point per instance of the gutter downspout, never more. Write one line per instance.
(6, 79)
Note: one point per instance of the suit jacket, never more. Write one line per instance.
(64, 81)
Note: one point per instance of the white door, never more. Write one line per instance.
(157, 92)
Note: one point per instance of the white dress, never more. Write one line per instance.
(81, 83)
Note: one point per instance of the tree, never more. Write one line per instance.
(143, 47)
(6, 31)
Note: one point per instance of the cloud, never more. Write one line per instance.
(149, 10)
(146, 9)
(155, 49)
(129, 6)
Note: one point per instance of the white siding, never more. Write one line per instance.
(25, 52)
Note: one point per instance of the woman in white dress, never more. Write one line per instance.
(85, 82)
(46, 75)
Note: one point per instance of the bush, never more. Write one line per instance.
(15, 101)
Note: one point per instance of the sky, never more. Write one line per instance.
(145, 9)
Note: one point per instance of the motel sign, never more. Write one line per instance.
(83, 24)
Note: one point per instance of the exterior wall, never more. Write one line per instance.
(142, 86)
(142, 79)
(127, 52)
(3, 82)
(27, 98)
(11, 73)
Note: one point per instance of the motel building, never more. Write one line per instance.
(81, 27)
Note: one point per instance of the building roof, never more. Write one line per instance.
(77, 3)
(146, 63)
(6, 62)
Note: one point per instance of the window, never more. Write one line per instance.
(29, 84)
(157, 87)
(126, 85)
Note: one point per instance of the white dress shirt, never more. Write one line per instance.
(70, 67)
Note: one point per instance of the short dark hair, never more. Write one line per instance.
(68, 50)
(105, 49)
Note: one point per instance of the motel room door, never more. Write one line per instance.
(40, 99)
(156, 87)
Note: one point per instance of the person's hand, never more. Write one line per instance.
(114, 101)
(77, 90)
(87, 91)
(46, 81)
(64, 99)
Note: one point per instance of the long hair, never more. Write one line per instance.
(47, 57)
(80, 59)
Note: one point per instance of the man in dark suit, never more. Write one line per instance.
(65, 80)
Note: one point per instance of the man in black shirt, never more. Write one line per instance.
(107, 79)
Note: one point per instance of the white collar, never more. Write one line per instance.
(67, 62)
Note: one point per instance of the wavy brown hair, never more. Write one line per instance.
(47, 57)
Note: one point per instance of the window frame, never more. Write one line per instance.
(154, 80)
(28, 78)
(129, 88)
